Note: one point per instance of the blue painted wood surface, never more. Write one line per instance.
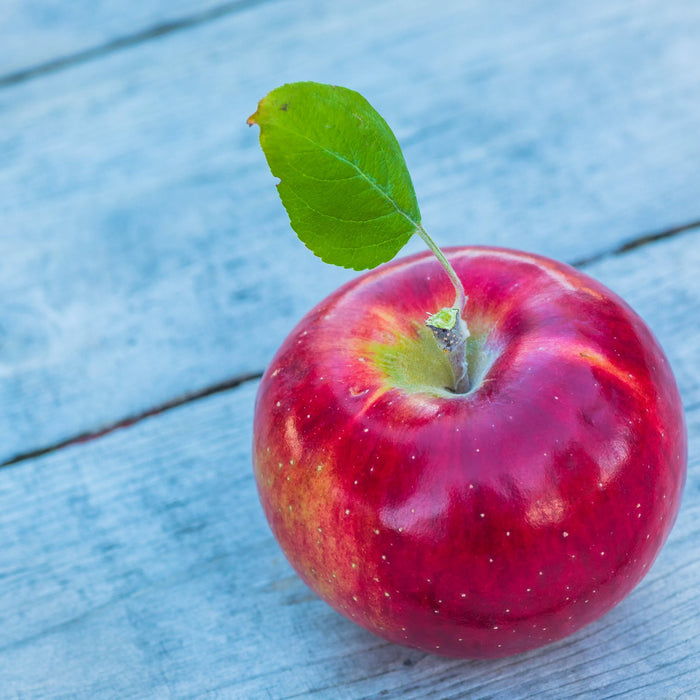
(151, 232)
(141, 239)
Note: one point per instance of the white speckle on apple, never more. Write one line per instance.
(483, 515)
(279, 403)
(565, 534)
(508, 533)
(347, 511)
(376, 532)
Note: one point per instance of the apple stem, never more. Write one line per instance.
(448, 326)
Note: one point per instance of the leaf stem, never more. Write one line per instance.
(460, 297)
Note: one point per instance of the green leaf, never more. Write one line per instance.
(343, 178)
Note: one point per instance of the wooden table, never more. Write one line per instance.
(141, 241)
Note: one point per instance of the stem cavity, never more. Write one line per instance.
(448, 325)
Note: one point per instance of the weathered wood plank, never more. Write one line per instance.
(141, 239)
(139, 565)
(39, 34)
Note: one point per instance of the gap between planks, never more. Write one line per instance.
(637, 242)
(89, 435)
(234, 382)
(127, 41)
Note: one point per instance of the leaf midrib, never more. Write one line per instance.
(372, 183)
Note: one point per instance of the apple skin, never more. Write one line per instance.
(476, 525)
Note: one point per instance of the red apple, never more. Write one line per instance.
(480, 524)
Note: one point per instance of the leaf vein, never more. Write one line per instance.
(322, 179)
(335, 217)
(373, 184)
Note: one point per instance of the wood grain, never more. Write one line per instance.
(41, 37)
(140, 565)
(144, 254)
